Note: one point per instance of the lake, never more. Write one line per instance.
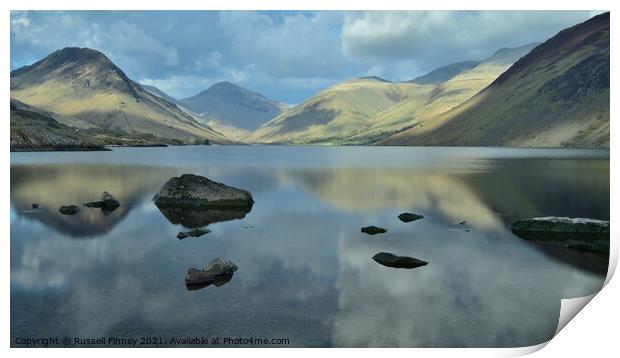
(306, 276)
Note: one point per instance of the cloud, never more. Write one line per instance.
(125, 43)
(434, 38)
(285, 55)
(300, 45)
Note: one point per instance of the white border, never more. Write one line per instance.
(593, 331)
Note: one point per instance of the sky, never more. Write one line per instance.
(284, 55)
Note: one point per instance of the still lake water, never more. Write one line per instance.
(305, 269)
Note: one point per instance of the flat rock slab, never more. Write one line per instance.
(409, 217)
(562, 224)
(581, 234)
(197, 191)
(69, 209)
(193, 233)
(373, 230)
(391, 260)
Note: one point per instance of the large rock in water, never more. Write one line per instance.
(191, 190)
(580, 234)
(561, 225)
(391, 260)
(219, 270)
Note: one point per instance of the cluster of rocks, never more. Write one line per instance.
(107, 203)
(196, 201)
(392, 260)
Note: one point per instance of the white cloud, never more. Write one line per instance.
(441, 37)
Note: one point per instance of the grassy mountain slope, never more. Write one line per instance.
(85, 84)
(443, 74)
(33, 128)
(367, 109)
(557, 95)
(336, 113)
(232, 106)
(443, 97)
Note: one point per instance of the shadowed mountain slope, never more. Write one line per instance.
(556, 95)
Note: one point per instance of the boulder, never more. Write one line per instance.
(581, 234)
(391, 260)
(373, 230)
(217, 268)
(191, 190)
(106, 202)
(69, 209)
(193, 233)
(408, 217)
(561, 225)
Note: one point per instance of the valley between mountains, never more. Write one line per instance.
(549, 94)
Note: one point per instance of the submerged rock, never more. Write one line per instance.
(391, 260)
(373, 230)
(197, 191)
(582, 234)
(35, 205)
(193, 233)
(69, 209)
(408, 217)
(107, 202)
(218, 270)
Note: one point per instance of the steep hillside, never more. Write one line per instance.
(443, 97)
(337, 113)
(231, 106)
(366, 109)
(442, 74)
(156, 91)
(85, 84)
(33, 128)
(557, 95)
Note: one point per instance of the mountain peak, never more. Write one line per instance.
(373, 78)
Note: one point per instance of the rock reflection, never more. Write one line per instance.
(52, 186)
(218, 281)
(192, 218)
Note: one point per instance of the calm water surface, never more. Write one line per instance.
(305, 270)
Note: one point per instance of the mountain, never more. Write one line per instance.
(337, 112)
(84, 84)
(231, 106)
(156, 91)
(33, 128)
(367, 109)
(442, 74)
(556, 95)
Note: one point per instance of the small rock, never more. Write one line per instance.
(391, 260)
(372, 230)
(193, 233)
(35, 205)
(463, 223)
(107, 202)
(214, 269)
(69, 209)
(408, 217)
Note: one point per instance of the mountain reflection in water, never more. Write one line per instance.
(305, 271)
